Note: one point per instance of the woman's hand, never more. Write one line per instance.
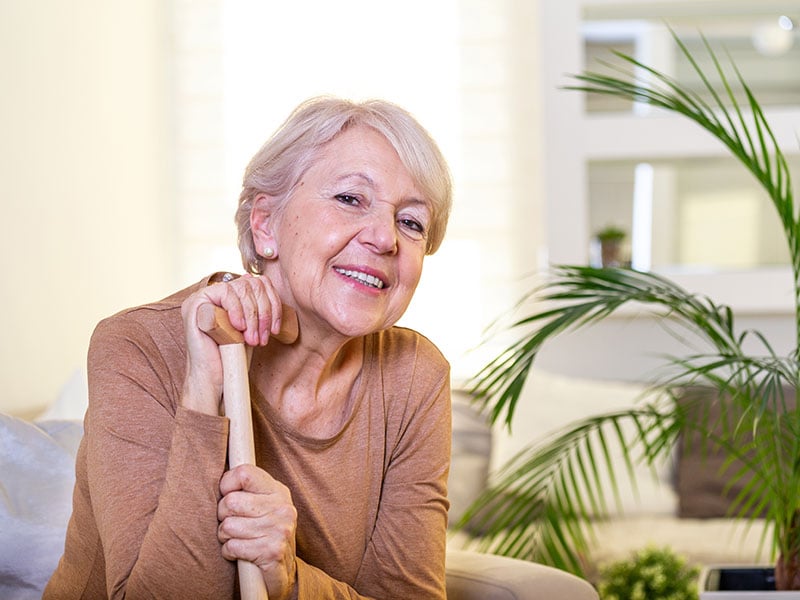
(257, 523)
(253, 307)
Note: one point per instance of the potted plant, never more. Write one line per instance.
(544, 502)
(610, 240)
(649, 573)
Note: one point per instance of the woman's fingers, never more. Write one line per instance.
(252, 304)
(273, 325)
(250, 478)
(250, 493)
(267, 309)
(258, 523)
(254, 519)
(259, 306)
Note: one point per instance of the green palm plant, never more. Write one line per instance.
(543, 504)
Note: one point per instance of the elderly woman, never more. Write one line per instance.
(352, 421)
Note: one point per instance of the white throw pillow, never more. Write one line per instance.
(72, 401)
(37, 474)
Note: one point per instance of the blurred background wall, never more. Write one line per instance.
(84, 180)
(127, 125)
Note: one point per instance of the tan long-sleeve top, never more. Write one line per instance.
(371, 500)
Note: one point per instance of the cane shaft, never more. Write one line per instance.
(236, 398)
(241, 450)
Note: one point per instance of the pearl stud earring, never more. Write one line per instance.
(268, 252)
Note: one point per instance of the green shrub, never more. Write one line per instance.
(649, 574)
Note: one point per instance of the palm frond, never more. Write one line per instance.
(578, 296)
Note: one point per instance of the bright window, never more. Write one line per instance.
(241, 65)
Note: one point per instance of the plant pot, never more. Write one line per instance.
(611, 253)
(741, 582)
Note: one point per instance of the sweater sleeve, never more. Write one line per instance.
(153, 474)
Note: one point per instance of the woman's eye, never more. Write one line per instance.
(413, 226)
(347, 199)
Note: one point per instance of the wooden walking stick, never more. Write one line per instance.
(236, 397)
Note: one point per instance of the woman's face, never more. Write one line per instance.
(351, 239)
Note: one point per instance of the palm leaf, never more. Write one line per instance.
(577, 296)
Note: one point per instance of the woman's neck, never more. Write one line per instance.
(312, 392)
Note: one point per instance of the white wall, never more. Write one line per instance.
(86, 225)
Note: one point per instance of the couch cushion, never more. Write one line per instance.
(701, 474)
(476, 576)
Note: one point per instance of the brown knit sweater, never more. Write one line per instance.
(371, 500)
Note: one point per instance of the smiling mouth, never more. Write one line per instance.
(365, 278)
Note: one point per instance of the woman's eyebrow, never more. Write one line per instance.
(356, 175)
(414, 201)
(411, 200)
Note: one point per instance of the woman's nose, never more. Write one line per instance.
(380, 233)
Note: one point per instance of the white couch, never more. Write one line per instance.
(476, 576)
(36, 479)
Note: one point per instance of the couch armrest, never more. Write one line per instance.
(477, 576)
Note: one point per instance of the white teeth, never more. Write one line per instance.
(369, 280)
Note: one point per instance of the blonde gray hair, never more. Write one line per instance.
(283, 160)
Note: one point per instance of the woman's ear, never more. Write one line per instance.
(263, 218)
